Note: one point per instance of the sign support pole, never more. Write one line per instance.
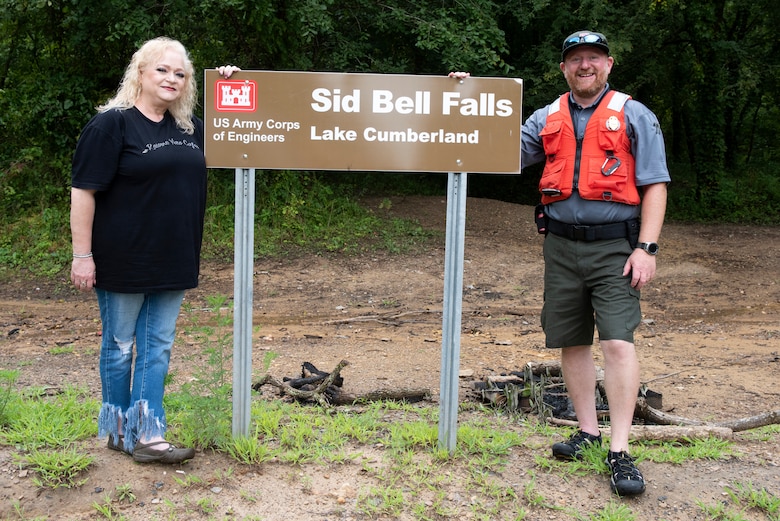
(452, 308)
(243, 288)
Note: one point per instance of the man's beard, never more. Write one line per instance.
(593, 89)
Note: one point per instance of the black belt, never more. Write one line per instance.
(598, 232)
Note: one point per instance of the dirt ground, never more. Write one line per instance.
(709, 342)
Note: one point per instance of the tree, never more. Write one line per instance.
(709, 69)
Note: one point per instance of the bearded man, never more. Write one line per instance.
(603, 192)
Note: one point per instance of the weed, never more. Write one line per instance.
(125, 493)
(613, 511)
(224, 476)
(720, 512)
(382, 501)
(474, 439)
(107, 510)
(413, 434)
(686, 450)
(56, 468)
(410, 475)
(268, 357)
(753, 498)
(247, 496)
(532, 495)
(62, 350)
(188, 481)
(203, 407)
(7, 383)
(19, 511)
(306, 484)
(764, 433)
(249, 451)
(206, 505)
(38, 420)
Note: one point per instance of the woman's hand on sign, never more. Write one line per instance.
(459, 75)
(227, 70)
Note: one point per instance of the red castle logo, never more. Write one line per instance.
(236, 96)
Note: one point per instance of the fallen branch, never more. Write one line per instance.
(644, 411)
(753, 422)
(674, 428)
(547, 368)
(401, 395)
(326, 389)
(318, 393)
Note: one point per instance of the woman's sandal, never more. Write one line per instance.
(119, 445)
(144, 453)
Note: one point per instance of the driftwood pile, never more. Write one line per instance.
(539, 389)
(327, 388)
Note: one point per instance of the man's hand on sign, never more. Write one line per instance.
(459, 75)
(227, 70)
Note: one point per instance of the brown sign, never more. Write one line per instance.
(364, 122)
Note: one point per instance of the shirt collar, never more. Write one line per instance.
(577, 106)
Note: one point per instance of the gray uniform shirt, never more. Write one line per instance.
(647, 147)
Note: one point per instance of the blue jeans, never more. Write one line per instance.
(133, 392)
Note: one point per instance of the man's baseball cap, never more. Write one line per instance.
(584, 38)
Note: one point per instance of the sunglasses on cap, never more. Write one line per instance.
(585, 38)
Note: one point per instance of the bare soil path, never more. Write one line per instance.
(710, 343)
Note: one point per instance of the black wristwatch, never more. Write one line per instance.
(649, 247)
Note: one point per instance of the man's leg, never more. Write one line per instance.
(579, 374)
(621, 382)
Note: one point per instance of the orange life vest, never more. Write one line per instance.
(606, 166)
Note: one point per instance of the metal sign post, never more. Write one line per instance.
(242, 299)
(451, 311)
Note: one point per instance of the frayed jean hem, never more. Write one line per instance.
(139, 422)
(143, 424)
(108, 421)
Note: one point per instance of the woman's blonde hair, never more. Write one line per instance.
(130, 86)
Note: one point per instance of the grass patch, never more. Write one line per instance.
(61, 467)
(35, 420)
(744, 501)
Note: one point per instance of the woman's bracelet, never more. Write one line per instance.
(82, 255)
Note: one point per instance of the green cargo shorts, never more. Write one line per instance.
(584, 287)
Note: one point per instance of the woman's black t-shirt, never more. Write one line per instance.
(150, 202)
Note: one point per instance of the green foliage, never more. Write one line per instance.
(36, 420)
(37, 241)
(756, 498)
(745, 498)
(708, 69)
(248, 450)
(752, 197)
(613, 511)
(305, 211)
(57, 468)
(46, 429)
(108, 510)
(7, 381)
(678, 452)
(201, 410)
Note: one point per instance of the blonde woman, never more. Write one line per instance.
(138, 199)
